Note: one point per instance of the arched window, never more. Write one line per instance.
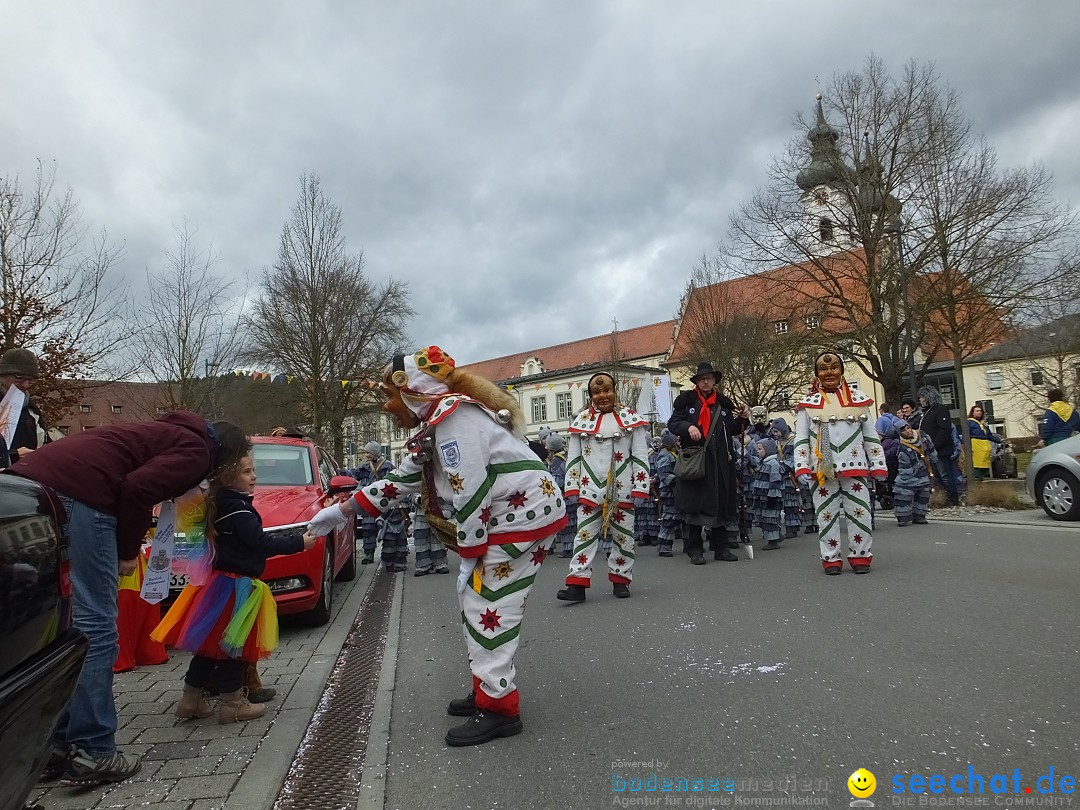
(825, 229)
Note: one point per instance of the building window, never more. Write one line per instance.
(995, 380)
(853, 385)
(948, 395)
(539, 409)
(117, 408)
(162, 409)
(783, 400)
(813, 321)
(1037, 377)
(780, 327)
(825, 229)
(586, 400)
(64, 429)
(86, 408)
(564, 405)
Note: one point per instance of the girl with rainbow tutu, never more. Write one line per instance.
(227, 617)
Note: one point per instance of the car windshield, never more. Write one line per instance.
(283, 465)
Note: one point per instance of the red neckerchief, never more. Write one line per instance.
(705, 415)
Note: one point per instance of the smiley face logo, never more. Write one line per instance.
(862, 784)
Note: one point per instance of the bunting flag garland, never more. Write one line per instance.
(288, 379)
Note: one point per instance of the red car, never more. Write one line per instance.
(294, 480)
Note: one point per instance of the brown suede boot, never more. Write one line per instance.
(236, 708)
(193, 704)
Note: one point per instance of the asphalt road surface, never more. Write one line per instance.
(765, 678)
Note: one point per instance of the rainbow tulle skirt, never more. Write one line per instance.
(228, 617)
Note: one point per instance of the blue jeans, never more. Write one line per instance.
(89, 720)
(947, 475)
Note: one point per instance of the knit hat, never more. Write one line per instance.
(554, 442)
(769, 445)
(780, 425)
(901, 424)
(668, 439)
(374, 448)
(21, 362)
(544, 432)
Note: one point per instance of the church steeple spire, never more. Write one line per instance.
(826, 166)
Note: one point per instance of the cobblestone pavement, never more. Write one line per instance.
(198, 764)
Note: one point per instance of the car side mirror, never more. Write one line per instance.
(342, 483)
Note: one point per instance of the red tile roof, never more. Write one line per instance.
(791, 291)
(633, 344)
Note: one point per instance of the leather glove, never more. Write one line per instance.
(326, 520)
(468, 565)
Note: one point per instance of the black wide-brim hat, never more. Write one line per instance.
(704, 368)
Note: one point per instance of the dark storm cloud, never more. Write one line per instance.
(533, 170)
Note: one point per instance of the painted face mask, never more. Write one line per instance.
(759, 415)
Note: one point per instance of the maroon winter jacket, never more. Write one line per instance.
(126, 469)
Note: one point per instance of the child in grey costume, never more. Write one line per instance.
(911, 488)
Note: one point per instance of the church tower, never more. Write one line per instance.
(825, 182)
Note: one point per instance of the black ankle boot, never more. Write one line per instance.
(482, 727)
(725, 555)
(463, 707)
(572, 593)
(621, 590)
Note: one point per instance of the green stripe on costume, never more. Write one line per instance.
(490, 643)
(499, 593)
(493, 472)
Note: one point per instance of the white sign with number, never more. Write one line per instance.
(155, 585)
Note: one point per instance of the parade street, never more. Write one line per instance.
(765, 678)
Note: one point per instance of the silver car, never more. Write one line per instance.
(1053, 479)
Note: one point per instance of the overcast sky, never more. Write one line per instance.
(532, 169)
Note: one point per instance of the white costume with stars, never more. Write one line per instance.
(836, 443)
(506, 509)
(608, 467)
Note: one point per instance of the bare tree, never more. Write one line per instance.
(758, 343)
(321, 318)
(902, 152)
(58, 298)
(627, 386)
(189, 325)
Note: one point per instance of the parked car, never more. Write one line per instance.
(294, 480)
(42, 653)
(1053, 479)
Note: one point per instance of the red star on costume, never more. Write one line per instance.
(833, 544)
(584, 480)
(620, 561)
(856, 487)
(619, 516)
(538, 556)
(390, 491)
(517, 500)
(485, 515)
(586, 509)
(823, 492)
(582, 559)
(490, 620)
(618, 456)
(857, 538)
(640, 476)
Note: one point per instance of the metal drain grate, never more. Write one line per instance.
(326, 771)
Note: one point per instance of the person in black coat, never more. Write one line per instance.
(937, 426)
(711, 501)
